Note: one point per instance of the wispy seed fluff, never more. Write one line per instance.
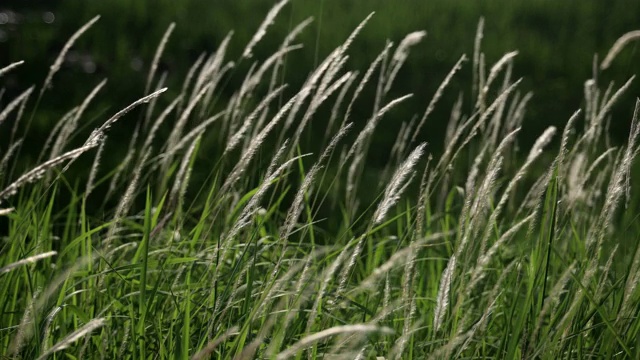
(397, 184)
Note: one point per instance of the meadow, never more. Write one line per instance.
(249, 227)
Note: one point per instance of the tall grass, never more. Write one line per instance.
(229, 238)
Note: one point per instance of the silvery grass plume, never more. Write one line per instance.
(317, 82)
(479, 272)
(47, 327)
(39, 299)
(179, 189)
(216, 76)
(24, 330)
(398, 257)
(235, 139)
(54, 133)
(296, 207)
(317, 100)
(437, 95)
(293, 307)
(20, 99)
(250, 151)
(248, 352)
(158, 54)
(497, 104)
(336, 330)
(392, 194)
(8, 154)
(515, 115)
(454, 148)
(365, 79)
(396, 186)
(400, 146)
(499, 125)
(401, 54)
(619, 185)
(211, 69)
(360, 147)
(535, 152)
(190, 136)
(85, 330)
(186, 83)
(336, 62)
(176, 132)
(99, 132)
(211, 346)
(569, 128)
(345, 46)
(381, 83)
(71, 125)
(262, 30)
(442, 300)
(248, 211)
(309, 86)
(470, 187)
(288, 40)
(10, 67)
(477, 43)
(39, 171)
(409, 273)
(126, 199)
(148, 142)
(98, 135)
(496, 69)
(595, 126)
(478, 200)
(125, 164)
(550, 302)
(254, 79)
(356, 341)
(58, 62)
(618, 46)
(479, 328)
(455, 119)
(591, 97)
(335, 110)
(152, 104)
(25, 261)
(326, 277)
(252, 206)
(18, 117)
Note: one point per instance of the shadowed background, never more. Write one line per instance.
(556, 41)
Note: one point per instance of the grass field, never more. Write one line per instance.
(224, 233)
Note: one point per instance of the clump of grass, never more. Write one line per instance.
(196, 249)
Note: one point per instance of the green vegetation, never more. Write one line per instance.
(243, 224)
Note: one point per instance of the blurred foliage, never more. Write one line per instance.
(556, 41)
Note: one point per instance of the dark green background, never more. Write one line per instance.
(556, 41)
